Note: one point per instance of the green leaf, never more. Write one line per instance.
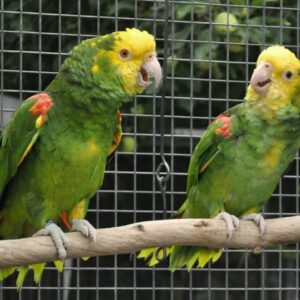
(182, 10)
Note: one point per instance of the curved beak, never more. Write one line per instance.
(261, 78)
(150, 69)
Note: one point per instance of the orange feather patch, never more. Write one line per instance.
(224, 130)
(41, 107)
(117, 137)
(119, 116)
(64, 218)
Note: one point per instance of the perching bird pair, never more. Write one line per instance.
(53, 151)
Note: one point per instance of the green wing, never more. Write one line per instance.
(207, 149)
(17, 139)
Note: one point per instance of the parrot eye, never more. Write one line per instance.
(288, 75)
(124, 54)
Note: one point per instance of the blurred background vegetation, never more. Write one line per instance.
(213, 46)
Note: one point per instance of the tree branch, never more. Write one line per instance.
(130, 238)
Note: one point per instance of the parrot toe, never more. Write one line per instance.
(85, 227)
(258, 219)
(58, 237)
(232, 222)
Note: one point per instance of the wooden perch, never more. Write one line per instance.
(134, 237)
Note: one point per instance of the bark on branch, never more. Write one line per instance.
(134, 237)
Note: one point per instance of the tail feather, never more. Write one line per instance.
(217, 255)
(192, 260)
(153, 255)
(38, 270)
(189, 255)
(59, 264)
(5, 272)
(181, 256)
(21, 276)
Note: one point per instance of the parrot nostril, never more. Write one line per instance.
(150, 56)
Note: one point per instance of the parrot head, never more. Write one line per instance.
(275, 83)
(119, 64)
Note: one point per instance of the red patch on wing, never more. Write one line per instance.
(119, 116)
(224, 130)
(64, 218)
(42, 105)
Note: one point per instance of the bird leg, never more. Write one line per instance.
(58, 237)
(85, 227)
(258, 220)
(232, 222)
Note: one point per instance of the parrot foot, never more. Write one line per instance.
(232, 222)
(258, 219)
(224, 130)
(85, 227)
(58, 237)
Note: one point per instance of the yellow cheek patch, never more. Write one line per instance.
(127, 69)
(139, 43)
(95, 69)
(269, 107)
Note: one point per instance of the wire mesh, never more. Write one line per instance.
(208, 71)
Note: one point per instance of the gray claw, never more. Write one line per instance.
(232, 222)
(85, 227)
(258, 219)
(58, 237)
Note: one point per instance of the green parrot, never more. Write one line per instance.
(54, 150)
(240, 158)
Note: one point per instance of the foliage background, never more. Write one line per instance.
(211, 57)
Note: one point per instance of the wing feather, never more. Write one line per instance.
(19, 136)
(208, 148)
